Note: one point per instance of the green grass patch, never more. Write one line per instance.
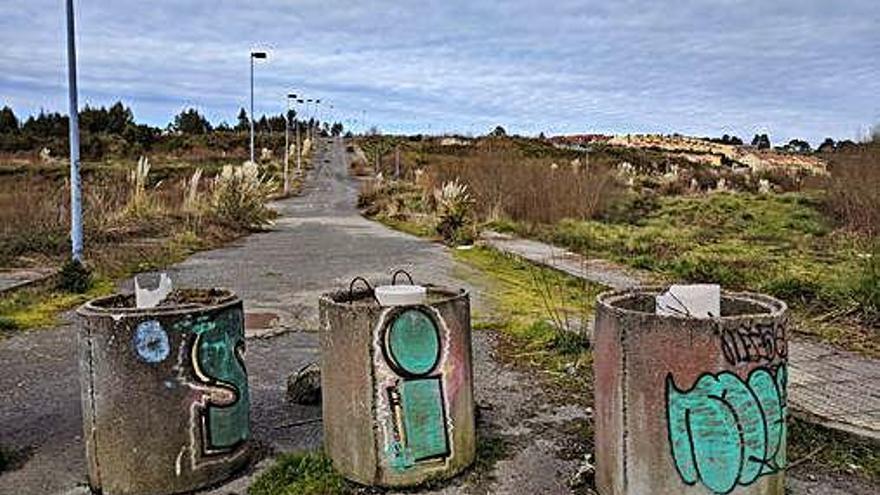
(542, 309)
(300, 474)
(31, 309)
(780, 244)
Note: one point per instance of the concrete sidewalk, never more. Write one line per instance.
(828, 386)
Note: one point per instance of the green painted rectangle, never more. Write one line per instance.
(423, 418)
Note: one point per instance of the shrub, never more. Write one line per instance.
(74, 277)
(454, 205)
(240, 195)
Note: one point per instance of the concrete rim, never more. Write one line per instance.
(94, 307)
(339, 299)
(610, 302)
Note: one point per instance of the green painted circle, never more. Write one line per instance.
(414, 342)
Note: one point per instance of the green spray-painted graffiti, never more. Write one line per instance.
(218, 360)
(726, 432)
(412, 348)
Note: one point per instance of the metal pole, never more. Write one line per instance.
(76, 232)
(287, 148)
(252, 107)
(298, 147)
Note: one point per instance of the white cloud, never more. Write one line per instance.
(793, 68)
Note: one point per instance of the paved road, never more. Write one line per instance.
(320, 240)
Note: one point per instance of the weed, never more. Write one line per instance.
(454, 205)
(240, 196)
(74, 277)
(300, 474)
(816, 448)
(866, 287)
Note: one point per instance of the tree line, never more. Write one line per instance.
(113, 130)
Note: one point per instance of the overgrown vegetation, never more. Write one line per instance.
(788, 230)
(854, 191)
(814, 449)
(137, 216)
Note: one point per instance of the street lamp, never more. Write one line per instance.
(287, 144)
(261, 55)
(76, 233)
(298, 142)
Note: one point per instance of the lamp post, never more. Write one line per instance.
(260, 55)
(76, 233)
(298, 143)
(287, 144)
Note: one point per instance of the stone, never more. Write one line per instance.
(304, 386)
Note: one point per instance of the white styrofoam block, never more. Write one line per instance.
(401, 295)
(694, 301)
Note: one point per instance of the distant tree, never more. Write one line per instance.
(8, 121)
(262, 125)
(223, 127)
(826, 146)
(761, 141)
(275, 123)
(736, 141)
(498, 132)
(243, 122)
(798, 146)
(46, 125)
(846, 144)
(542, 137)
(118, 118)
(190, 121)
(336, 129)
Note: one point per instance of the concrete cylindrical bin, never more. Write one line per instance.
(690, 406)
(397, 387)
(166, 407)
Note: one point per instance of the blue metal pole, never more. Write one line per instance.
(252, 107)
(76, 226)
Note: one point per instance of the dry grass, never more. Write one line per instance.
(132, 208)
(506, 183)
(854, 189)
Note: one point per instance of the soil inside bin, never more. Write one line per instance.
(177, 298)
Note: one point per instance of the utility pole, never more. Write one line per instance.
(253, 56)
(76, 232)
(296, 122)
(287, 145)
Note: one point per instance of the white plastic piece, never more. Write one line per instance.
(146, 298)
(401, 295)
(690, 301)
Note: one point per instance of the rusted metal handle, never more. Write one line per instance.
(369, 287)
(398, 272)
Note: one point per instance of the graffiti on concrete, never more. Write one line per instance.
(151, 342)
(725, 431)
(754, 343)
(220, 413)
(412, 347)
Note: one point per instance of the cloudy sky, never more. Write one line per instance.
(799, 68)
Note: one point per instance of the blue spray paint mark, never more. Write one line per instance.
(726, 432)
(151, 342)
